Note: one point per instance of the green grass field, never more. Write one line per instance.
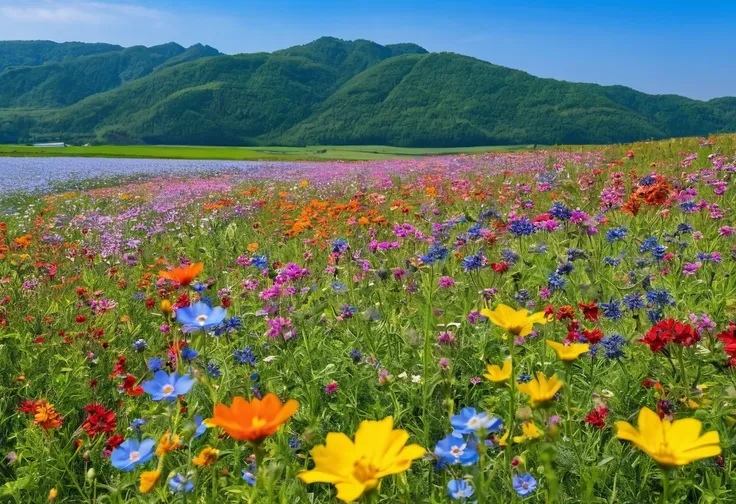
(345, 152)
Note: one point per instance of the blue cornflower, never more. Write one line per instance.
(213, 370)
(206, 300)
(660, 298)
(473, 262)
(560, 211)
(612, 309)
(555, 282)
(469, 420)
(254, 376)
(509, 256)
(524, 378)
(339, 287)
(168, 387)
(180, 484)
(658, 252)
(260, 262)
(199, 426)
(137, 423)
(154, 364)
(524, 484)
(245, 356)
(634, 301)
(131, 453)
(339, 245)
(565, 269)
(655, 315)
(188, 353)
(522, 227)
(249, 477)
(139, 296)
(488, 213)
(684, 228)
(294, 443)
(612, 345)
(688, 206)
(200, 316)
(436, 252)
(648, 245)
(199, 287)
(356, 355)
(474, 231)
(574, 254)
(538, 248)
(460, 489)
(140, 345)
(612, 261)
(456, 450)
(648, 180)
(522, 296)
(616, 234)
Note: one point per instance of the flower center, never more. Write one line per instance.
(457, 451)
(258, 422)
(202, 319)
(365, 472)
(135, 456)
(473, 423)
(167, 389)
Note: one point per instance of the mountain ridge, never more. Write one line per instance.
(329, 91)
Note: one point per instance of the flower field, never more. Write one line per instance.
(550, 326)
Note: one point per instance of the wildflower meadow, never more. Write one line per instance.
(543, 327)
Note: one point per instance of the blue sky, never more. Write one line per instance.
(686, 48)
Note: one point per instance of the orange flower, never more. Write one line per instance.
(45, 415)
(253, 421)
(168, 443)
(184, 274)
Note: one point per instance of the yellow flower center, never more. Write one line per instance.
(258, 422)
(365, 472)
(167, 389)
(135, 456)
(202, 319)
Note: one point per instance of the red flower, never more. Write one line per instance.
(594, 337)
(729, 339)
(129, 386)
(590, 310)
(549, 310)
(119, 368)
(597, 417)
(500, 267)
(114, 441)
(566, 312)
(80, 319)
(670, 330)
(99, 420)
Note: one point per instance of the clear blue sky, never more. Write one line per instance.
(686, 48)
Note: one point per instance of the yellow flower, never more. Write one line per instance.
(206, 457)
(541, 390)
(168, 442)
(166, 307)
(529, 431)
(357, 467)
(52, 494)
(568, 353)
(670, 444)
(504, 439)
(517, 322)
(252, 247)
(497, 374)
(148, 480)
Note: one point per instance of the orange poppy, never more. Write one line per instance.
(255, 420)
(183, 275)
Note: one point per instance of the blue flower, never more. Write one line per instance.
(611, 261)
(460, 489)
(612, 309)
(684, 228)
(509, 256)
(140, 345)
(616, 234)
(473, 262)
(339, 287)
(137, 424)
(201, 427)
(180, 483)
(259, 262)
(565, 269)
(199, 287)
(524, 484)
(560, 211)
(612, 344)
(154, 364)
(245, 356)
(660, 298)
(658, 252)
(469, 420)
(213, 370)
(648, 245)
(522, 227)
(131, 453)
(575, 254)
(456, 450)
(169, 387)
(634, 301)
(556, 282)
(200, 316)
(188, 353)
(249, 477)
(339, 245)
(436, 252)
(356, 355)
(524, 378)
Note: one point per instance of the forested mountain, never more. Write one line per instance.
(330, 91)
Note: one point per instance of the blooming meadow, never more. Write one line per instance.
(551, 326)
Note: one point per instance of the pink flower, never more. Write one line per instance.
(331, 388)
(446, 282)
(691, 268)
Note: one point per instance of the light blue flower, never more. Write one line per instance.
(456, 450)
(460, 489)
(201, 426)
(180, 483)
(200, 316)
(249, 477)
(469, 421)
(169, 387)
(524, 484)
(131, 453)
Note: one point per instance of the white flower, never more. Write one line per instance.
(403, 375)
(270, 358)
(416, 378)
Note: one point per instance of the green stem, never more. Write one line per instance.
(512, 399)
(426, 359)
(665, 486)
(681, 361)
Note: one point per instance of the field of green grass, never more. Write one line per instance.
(344, 152)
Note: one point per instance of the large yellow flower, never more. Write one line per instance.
(529, 431)
(357, 467)
(569, 352)
(497, 374)
(517, 322)
(670, 444)
(541, 390)
(207, 457)
(148, 480)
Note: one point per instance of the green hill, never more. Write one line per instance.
(329, 92)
